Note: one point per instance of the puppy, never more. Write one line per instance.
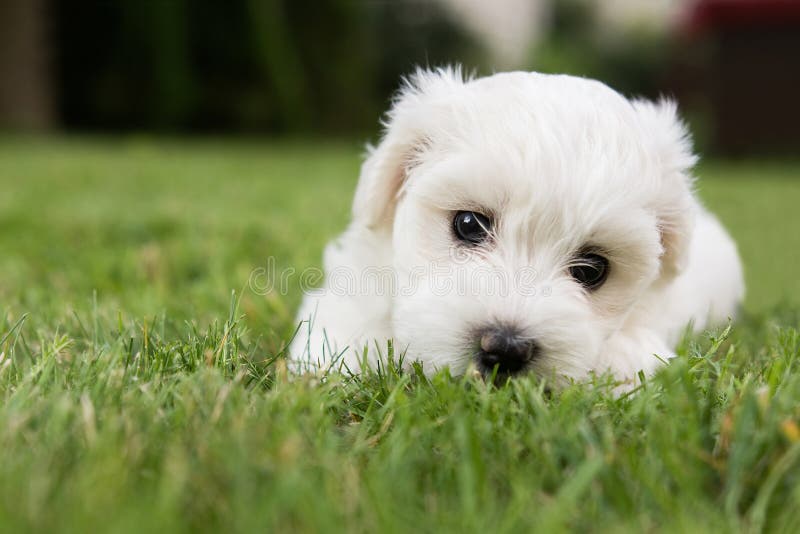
(521, 222)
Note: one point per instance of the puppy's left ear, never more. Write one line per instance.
(416, 110)
(670, 142)
(382, 177)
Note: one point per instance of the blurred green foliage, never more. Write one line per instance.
(635, 62)
(297, 67)
(277, 66)
(330, 66)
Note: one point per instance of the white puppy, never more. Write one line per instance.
(522, 222)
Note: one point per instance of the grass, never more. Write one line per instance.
(139, 389)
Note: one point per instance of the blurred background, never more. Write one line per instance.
(328, 67)
(154, 154)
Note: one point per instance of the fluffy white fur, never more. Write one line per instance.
(559, 162)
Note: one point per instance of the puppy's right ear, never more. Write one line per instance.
(406, 134)
(669, 140)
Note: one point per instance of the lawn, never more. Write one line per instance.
(139, 389)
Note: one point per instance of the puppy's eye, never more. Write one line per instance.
(471, 227)
(590, 269)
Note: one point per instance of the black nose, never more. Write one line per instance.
(504, 348)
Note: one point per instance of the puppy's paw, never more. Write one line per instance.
(634, 350)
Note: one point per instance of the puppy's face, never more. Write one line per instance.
(528, 215)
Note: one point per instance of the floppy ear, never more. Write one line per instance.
(676, 225)
(676, 210)
(405, 136)
(382, 175)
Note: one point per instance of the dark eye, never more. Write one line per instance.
(471, 227)
(590, 269)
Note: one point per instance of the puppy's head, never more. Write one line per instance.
(528, 215)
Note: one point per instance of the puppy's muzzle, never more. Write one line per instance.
(504, 348)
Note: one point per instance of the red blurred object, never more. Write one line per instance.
(743, 63)
(709, 15)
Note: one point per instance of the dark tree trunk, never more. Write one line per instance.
(26, 95)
